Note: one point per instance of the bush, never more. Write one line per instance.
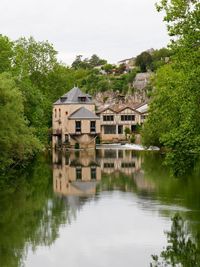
(132, 139)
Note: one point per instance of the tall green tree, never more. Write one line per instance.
(17, 140)
(6, 53)
(144, 61)
(174, 120)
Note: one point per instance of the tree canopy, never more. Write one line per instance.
(174, 120)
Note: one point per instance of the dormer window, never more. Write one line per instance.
(63, 99)
(82, 99)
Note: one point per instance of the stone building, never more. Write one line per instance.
(115, 119)
(74, 120)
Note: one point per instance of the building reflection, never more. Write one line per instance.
(119, 161)
(77, 173)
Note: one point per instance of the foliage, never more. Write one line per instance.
(174, 120)
(127, 131)
(30, 213)
(132, 139)
(144, 61)
(86, 63)
(182, 249)
(17, 140)
(6, 53)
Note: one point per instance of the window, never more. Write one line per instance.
(78, 173)
(55, 113)
(108, 118)
(120, 129)
(82, 99)
(127, 117)
(120, 154)
(133, 128)
(109, 129)
(110, 154)
(143, 117)
(63, 99)
(78, 126)
(93, 173)
(128, 165)
(59, 112)
(108, 165)
(93, 126)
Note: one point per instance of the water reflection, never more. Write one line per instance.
(79, 173)
(75, 173)
(99, 203)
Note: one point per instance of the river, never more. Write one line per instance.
(94, 208)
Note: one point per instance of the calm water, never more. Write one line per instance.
(93, 209)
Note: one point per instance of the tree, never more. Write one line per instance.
(174, 118)
(6, 53)
(33, 59)
(17, 140)
(182, 250)
(95, 61)
(144, 61)
(127, 132)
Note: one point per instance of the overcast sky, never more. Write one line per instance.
(112, 29)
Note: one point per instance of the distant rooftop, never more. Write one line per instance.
(75, 95)
(83, 113)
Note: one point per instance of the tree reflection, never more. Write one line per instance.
(30, 214)
(182, 250)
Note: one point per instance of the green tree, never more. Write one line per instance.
(144, 61)
(174, 120)
(182, 250)
(6, 53)
(17, 140)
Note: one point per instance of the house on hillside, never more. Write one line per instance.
(74, 120)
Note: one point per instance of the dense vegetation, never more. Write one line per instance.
(174, 120)
(31, 79)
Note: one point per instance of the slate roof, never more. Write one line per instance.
(83, 113)
(73, 96)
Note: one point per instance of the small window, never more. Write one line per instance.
(120, 129)
(93, 173)
(93, 126)
(55, 113)
(108, 118)
(143, 117)
(127, 117)
(78, 173)
(78, 126)
(128, 165)
(133, 128)
(82, 99)
(110, 129)
(59, 112)
(108, 165)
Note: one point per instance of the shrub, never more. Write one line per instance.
(132, 139)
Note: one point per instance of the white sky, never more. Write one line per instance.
(112, 29)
